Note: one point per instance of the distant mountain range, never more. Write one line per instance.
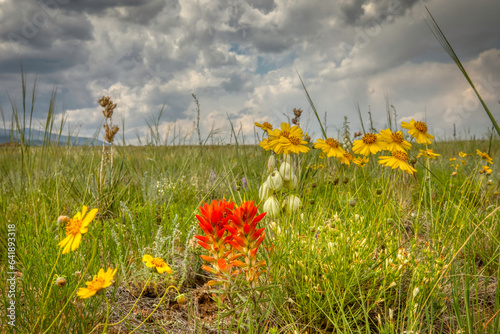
(38, 138)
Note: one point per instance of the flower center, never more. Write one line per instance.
(332, 143)
(348, 156)
(294, 140)
(400, 155)
(97, 284)
(369, 138)
(397, 137)
(421, 126)
(267, 125)
(73, 226)
(285, 134)
(158, 262)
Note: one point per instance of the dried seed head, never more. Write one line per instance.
(61, 281)
(297, 112)
(110, 132)
(63, 220)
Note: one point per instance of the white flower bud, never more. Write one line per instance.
(275, 181)
(293, 183)
(271, 164)
(264, 191)
(286, 171)
(272, 207)
(292, 204)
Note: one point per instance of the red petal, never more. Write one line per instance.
(208, 258)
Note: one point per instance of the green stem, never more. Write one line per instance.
(105, 330)
(94, 251)
(45, 289)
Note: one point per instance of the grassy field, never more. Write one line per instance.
(370, 249)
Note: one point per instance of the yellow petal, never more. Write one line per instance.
(90, 217)
(76, 241)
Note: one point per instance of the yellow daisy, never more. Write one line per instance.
(276, 134)
(486, 170)
(399, 159)
(330, 147)
(360, 161)
(158, 263)
(294, 144)
(418, 130)
(428, 153)
(346, 158)
(395, 141)
(287, 140)
(462, 154)
(264, 126)
(485, 156)
(265, 144)
(100, 281)
(370, 143)
(75, 228)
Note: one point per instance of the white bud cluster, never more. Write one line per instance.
(280, 180)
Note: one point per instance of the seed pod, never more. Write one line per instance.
(286, 171)
(272, 207)
(292, 204)
(61, 281)
(275, 181)
(293, 183)
(264, 191)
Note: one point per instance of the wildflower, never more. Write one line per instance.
(485, 156)
(370, 143)
(486, 170)
(213, 221)
(453, 159)
(395, 141)
(330, 147)
(181, 299)
(360, 161)
(156, 263)
(346, 158)
(271, 164)
(462, 154)
(275, 181)
(75, 228)
(63, 220)
(272, 207)
(100, 281)
(264, 126)
(428, 153)
(265, 144)
(454, 174)
(275, 135)
(293, 144)
(287, 140)
(418, 130)
(264, 191)
(292, 203)
(286, 171)
(399, 159)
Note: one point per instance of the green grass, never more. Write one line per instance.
(372, 250)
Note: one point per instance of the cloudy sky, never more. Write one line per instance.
(241, 58)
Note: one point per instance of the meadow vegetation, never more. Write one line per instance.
(294, 235)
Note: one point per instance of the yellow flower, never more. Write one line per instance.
(399, 159)
(361, 161)
(287, 140)
(454, 174)
(330, 147)
(395, 141)
(453, 159)
(100, 281)
(370, 143)
(264, 126)
(265, 144)
(428, 153)
(462, 154)
(486, 170)
(418, 130)
(75, 228)
(485, 156)
(158, 263)
(346, 158)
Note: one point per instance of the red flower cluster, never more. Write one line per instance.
(231, 233)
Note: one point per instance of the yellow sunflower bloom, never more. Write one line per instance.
(75, 228)
(157, 263)
(418, 130)
(290, 140)
(428, 153)
(399, 159)
(346, 158)
(485, 156)
(100, 281)
(360, 161)
(330, 147)
(264, 126)
(276, 134)
(370, 143)
(395, 141)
